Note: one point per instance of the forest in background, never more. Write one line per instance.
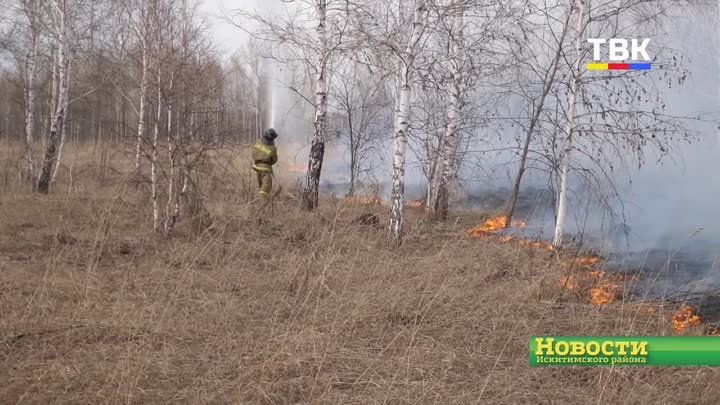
(449, 81)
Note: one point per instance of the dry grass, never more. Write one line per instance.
(293, 308)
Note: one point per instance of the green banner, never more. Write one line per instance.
(624, 351)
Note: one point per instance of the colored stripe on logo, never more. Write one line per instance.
(597, 66)
(619, 66)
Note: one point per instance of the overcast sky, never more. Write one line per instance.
(228, 37)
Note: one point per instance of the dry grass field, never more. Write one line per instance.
(244, 308)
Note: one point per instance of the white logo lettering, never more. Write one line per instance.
(618, 49)
(640, 50)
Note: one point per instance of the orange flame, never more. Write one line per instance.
(537, 245)
(605, 293)
(686, 317)
(293, 168)
(597, 273)
(587, 261)
(493, 225)
(415, 204)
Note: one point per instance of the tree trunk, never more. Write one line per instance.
(30, 69)
(141, 119)
(569, 128)
(406, 69)
(317, 149)
(433, 159)
(454, 117)
(53, 91)
(433, 165)
(397, 203)
(169, 224)
(154, 157)
(353, 149)
(353, 174)
(57, 123)
(63, 128)
(312, 188)
(173, 218)
(547, 85)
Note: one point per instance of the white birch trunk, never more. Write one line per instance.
(397, 198)
(434, 167)
(167, 226)
(154, 157)
(30, 69)
(454, 117)
(53, 90)
(141, 113)
(192, 126)
(63, 129)
(405, 76)
(173, 218)
(431, 185)
(569, 128)
(317, 148)
(59, 15)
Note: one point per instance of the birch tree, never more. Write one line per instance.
(455, 92)
(187, 83)
(313, 36)
(611, 118)
(570, 122)
(140, 16)
(154, 187)
(58, 12)
(32, 12)
(317, 147)
(22, 32)
(547, 79)
(405, 62)
(63, 128)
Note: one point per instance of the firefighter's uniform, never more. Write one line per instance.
(264, 155)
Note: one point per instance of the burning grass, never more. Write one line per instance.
(685, 318)
(602, 288)
(490, 226)
(493, 225)
(602, 291)
(605, 293)
(298, 308)
(539, 245)
(587, 261)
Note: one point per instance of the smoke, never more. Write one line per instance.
(663, 202)
(668, 200)
(669, 197)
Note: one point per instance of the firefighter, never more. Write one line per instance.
(264, 155)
